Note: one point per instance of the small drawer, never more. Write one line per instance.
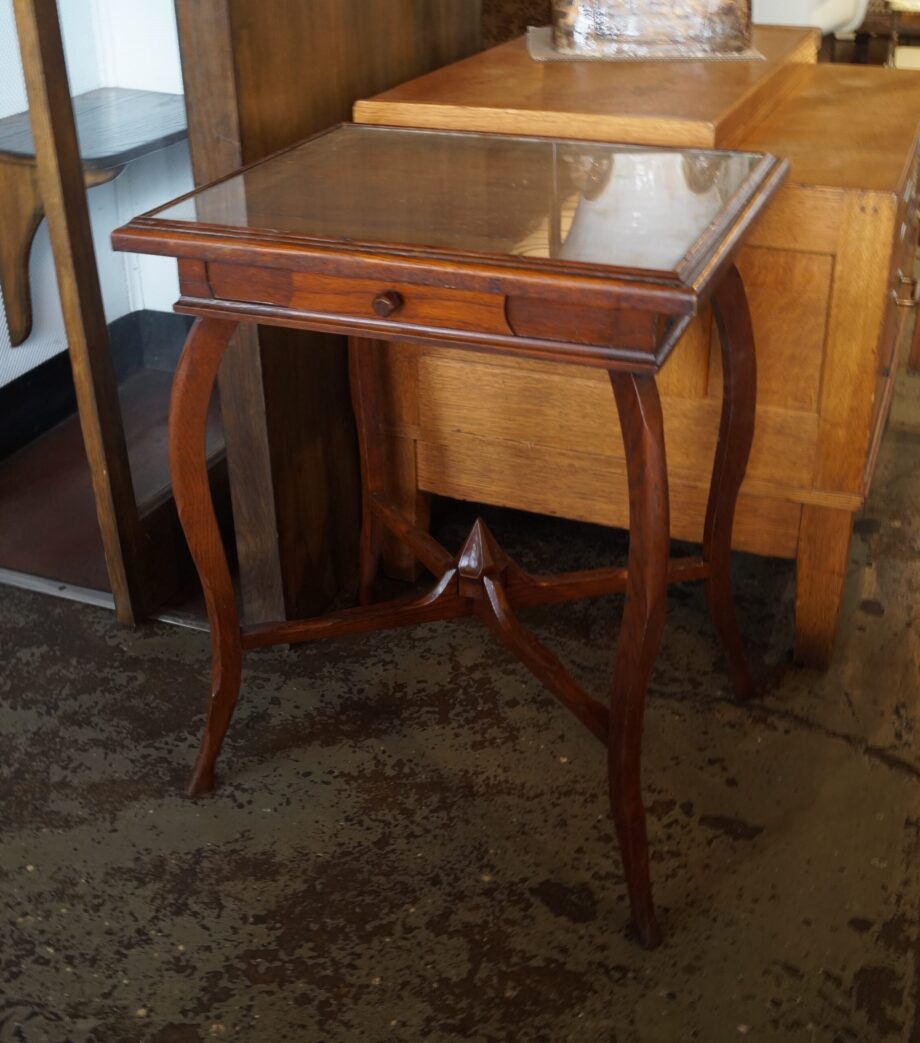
(364, 299)
(544, 319)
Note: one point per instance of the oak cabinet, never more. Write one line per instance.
(822, 269)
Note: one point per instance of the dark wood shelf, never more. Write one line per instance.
(114, 126)
(49, 527)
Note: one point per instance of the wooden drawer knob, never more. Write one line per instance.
(388, 302)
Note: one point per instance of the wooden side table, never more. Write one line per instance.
(557, 251)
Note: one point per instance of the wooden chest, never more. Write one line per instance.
(823, 269)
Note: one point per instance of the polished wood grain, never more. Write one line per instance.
(424, 549)
(256, 84)
(847, 127)
(639, 409)
(405, 302)
(481, 579)
(114, 126)
(440, 603)
(663, 103)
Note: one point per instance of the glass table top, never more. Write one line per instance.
(487, 195)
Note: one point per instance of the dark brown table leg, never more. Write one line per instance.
(366, 406)
(736, 433)
(639, 408)
(191, 395)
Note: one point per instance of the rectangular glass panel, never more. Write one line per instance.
(611, 205)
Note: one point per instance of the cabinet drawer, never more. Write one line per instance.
(576, 324)
(402, 303)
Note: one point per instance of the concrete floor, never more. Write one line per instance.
(411, 839)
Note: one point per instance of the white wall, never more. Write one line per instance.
(12, 87)
(108, 43)
(138, 43)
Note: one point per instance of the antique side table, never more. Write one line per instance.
(585, 254)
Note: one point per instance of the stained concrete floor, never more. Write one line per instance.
(411, 839)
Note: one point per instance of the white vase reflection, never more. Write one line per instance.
(644, 209)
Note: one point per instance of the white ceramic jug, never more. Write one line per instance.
(830, 16)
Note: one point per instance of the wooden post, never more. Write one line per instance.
(61, 180)
(206, 44)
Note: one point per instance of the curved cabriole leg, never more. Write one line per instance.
(639, 408)
(736, 433)
(188, 414)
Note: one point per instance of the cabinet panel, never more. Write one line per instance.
(560, 408)
(590, 488)
(789, 293)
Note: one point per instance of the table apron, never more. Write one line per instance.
(596, 356)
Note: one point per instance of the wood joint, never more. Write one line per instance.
(480, 557)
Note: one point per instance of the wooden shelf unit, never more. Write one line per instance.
(114, 126)
(141, 541)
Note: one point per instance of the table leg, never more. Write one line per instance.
(639, 409)
(736, 433)
(191, 395)
(365, 397)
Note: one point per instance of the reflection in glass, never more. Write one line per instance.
(651, 204)
(123, 70)
(595, 204)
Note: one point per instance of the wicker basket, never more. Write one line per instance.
(652, 28)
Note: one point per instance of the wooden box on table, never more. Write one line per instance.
(823, 270)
